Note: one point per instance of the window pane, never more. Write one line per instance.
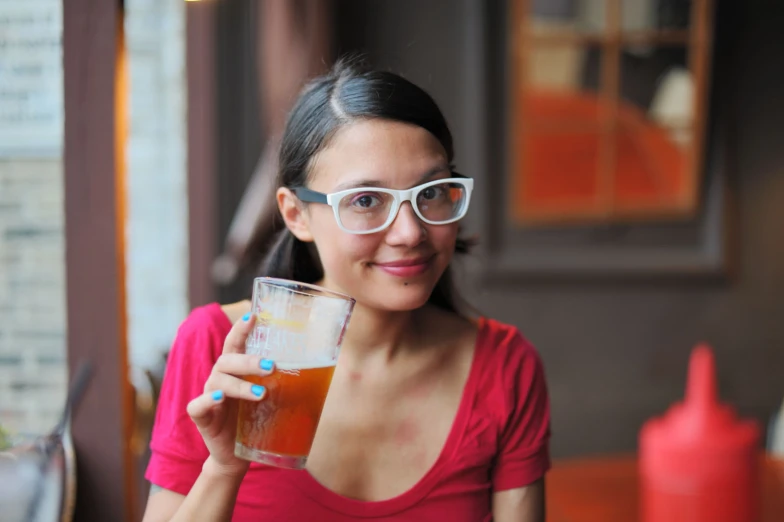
(558, 176)
(559, 91)
(567, 17)
(648, 15)
(656, 123)
(561, 121)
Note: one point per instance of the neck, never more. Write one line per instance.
(377, 333)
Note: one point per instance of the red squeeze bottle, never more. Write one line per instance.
(698, 462)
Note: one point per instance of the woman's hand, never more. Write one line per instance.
(215, 411)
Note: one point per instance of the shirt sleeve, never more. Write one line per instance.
(524, 455)
(177, 449)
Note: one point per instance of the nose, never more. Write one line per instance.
(407, 229)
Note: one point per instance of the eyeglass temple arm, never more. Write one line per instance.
(309, 196)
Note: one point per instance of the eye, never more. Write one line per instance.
(431, 193)
(366, 200)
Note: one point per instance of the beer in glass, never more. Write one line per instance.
(300, 327)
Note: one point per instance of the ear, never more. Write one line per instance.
(294, 214)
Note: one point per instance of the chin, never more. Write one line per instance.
(403, 298)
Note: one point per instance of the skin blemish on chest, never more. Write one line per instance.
(407, 432)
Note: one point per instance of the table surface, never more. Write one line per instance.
(606, 489)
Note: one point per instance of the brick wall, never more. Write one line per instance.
(32, 294)
(32, 273)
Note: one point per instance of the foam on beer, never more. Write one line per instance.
(295, 367)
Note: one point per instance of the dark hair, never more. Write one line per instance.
(346, 94)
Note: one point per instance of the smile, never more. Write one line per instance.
(407, 267)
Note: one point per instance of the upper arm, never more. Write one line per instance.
(525, 504)
(177, 448)
(523, 451)
(162, 504)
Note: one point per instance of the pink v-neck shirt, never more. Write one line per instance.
(498, 440)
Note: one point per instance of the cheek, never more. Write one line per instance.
(443, 237)
(342, 256)
(341, 250)
(337, 249)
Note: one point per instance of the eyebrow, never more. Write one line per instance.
(375, 183)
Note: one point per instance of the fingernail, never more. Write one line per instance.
(246, 317)
(266, 364)
(257, 390)
(217, 395)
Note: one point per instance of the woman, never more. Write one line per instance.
(430, 415)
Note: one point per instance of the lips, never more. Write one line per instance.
(406, 267)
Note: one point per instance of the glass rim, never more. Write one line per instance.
(297, 286)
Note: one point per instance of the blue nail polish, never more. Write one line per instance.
(266, 364)
(217, 395)
(257, 390)
(246, 317)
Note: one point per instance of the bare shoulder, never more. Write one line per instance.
(234, 311)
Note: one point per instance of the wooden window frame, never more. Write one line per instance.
(699, 248)
(610, 42)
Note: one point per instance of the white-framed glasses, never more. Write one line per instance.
(366, 210)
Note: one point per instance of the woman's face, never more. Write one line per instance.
(397, 268)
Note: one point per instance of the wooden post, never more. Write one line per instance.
(94, 167)
(202, 154)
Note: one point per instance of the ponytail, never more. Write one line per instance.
(290, 258)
